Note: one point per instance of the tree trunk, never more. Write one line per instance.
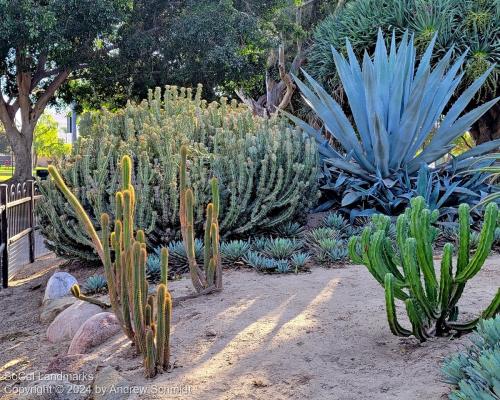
(21, 142)
(487, 128)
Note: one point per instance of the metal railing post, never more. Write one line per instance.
(31, 193)
(4, 235)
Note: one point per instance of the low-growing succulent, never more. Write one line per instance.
(496, 236)
(335, 221)
(331, 250)
(153, 268)
(178, 255)
(289, 230)
(259, 243)
(299, 260)
(474, 239)
(282, 266)
(281, 248)
(95, 284)
(234, 250)
(475, 372)
(266, 264)
(314, 236)
(259, 262)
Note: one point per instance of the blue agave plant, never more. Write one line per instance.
(397, 109)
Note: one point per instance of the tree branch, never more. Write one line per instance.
(39, 106)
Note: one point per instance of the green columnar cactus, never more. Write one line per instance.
(409, 274)
(211, 279)
(149, 359)
(126, 275)
(164, 307)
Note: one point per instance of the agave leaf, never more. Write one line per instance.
(439, 144)
(350, 198)
(324, 147)
(464, 99)
(395, 106)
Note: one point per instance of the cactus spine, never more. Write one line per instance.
(211, 278)
(126, 276)
(431, 303)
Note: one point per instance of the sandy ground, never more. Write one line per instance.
(321, 335)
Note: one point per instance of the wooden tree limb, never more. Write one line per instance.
(41, 103)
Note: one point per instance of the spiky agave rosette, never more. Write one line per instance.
(398, 131)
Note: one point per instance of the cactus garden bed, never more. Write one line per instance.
(315, 336)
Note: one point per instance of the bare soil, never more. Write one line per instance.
(318, 335)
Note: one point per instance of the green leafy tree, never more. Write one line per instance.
(472, 26)
(226, 45)
(181, 42)
(47, 142)
(43, 44)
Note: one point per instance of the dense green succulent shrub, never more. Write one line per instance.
(266, 169)
(475, 372)
(408, 273)
(398, 131)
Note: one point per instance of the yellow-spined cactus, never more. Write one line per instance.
(126, 275)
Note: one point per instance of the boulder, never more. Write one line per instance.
(67, 323)
(96, 330)
(110, 385)
(51, 308)
(58, 286)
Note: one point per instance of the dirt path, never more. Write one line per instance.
(321, 335)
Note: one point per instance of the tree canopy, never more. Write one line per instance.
(43, 43)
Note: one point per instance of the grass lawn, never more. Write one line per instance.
(7, 172)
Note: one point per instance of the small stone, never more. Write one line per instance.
(59, 285)
(96, 330)
(51, 308)
(67, 323)
(210, 333)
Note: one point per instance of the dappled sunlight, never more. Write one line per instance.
(292, 318)
(296, 327)
(253, 337)
(17, 362)
(233, 312)
(41, 270)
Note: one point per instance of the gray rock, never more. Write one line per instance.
(67, 323)
(58, 286)
(52, 387)
(110, 385)
(51, 308)
(96, 330)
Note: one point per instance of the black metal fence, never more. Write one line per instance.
(17, 221)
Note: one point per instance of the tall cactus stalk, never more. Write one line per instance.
(126, 276)
(410, 276)
(211, 278)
